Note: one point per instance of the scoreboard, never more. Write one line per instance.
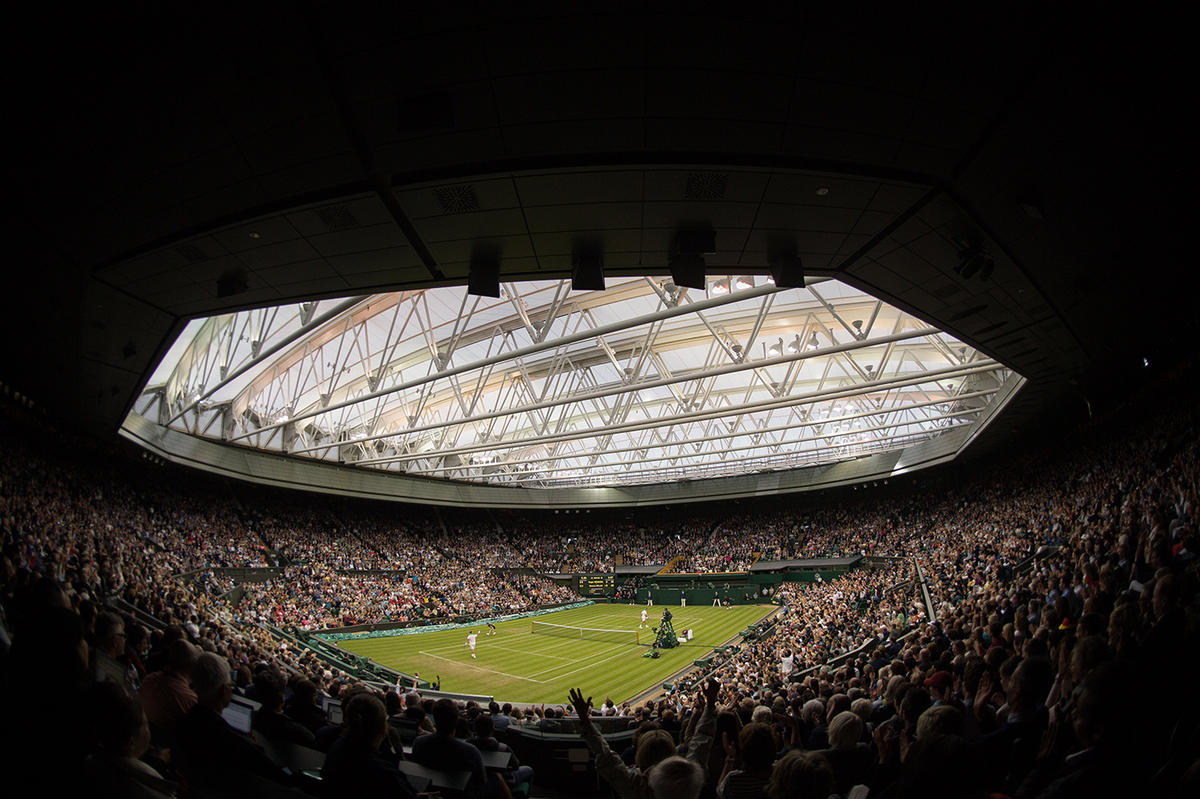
(596, 584)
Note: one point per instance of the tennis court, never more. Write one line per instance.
(521, 665)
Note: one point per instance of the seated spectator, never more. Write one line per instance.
(354, 767)
(121, 736)
(812, 714)
(484, 740)
(748, 765)
(940, 684)
(137, 647)
(167, 695)
(1009, 751)
(212, 754)
(109, 639)
(800, 775)
(302, 707)
(940, 765)
(500, 716)
(940, 720)
(676, 777)
(416, 713)
(1090, 757)
(270, 720)
(441, 750)
(852, 760)
(50, 650)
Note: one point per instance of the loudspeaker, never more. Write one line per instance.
(787, 271)
(587, 271)
(687, 255)
(484, 278)
(687, 269)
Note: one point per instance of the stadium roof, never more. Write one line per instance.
(643, 382)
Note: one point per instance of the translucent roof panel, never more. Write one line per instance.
(645, 382)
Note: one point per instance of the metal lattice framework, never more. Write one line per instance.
(644, 382)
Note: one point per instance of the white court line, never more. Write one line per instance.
(603, 651)
(528, 652)
(481, 668)
(555, 646)
(448, 647)
(587, 665)
(485, 645)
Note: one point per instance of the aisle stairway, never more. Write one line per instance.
(670, 565)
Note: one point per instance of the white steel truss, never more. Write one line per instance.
(546, 387)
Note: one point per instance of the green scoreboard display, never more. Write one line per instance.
(596, 584)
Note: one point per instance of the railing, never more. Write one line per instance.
(119, 604)
(1044, 551)
(929, 614)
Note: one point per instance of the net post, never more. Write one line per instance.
(531, 626)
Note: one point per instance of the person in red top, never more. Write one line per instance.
(167, 695)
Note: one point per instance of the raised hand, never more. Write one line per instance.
(580, 704)
(711, 689)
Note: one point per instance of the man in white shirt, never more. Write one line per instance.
(643, 624)
(787, 663)
(471, 643)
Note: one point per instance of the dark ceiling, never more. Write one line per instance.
(169, 166)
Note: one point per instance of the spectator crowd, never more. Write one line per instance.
(1063, 590)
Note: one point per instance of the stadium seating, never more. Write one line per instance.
(999, 637)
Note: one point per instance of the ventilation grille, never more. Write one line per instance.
(706, 186)
(337, 217)
(459, 199)
(191, 253)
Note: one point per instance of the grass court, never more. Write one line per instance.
(517, 666)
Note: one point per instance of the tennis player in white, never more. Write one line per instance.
(643, 624)
(471, 642)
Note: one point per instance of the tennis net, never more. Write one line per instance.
(585, 633)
